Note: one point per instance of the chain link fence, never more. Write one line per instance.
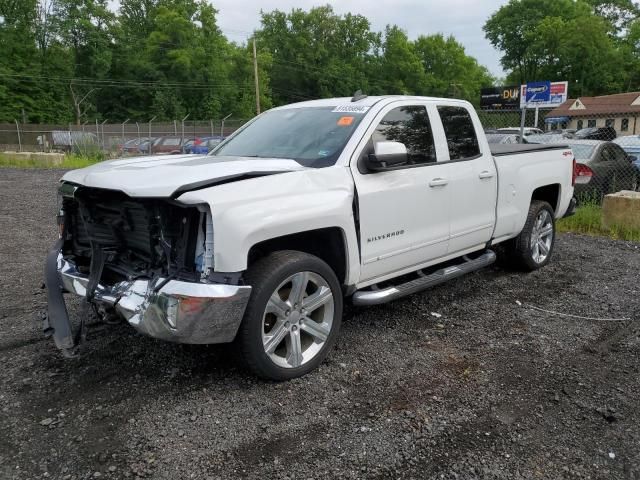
(116, 139)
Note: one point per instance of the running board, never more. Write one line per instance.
(377, 297)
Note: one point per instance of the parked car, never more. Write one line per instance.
(547, 138)
(262, 240)
(631, 145)
(613, 168)
(74, 141)
(132, 146)
(566, 132)
(516, 130)
(206, 145)
(503, 138)
(190, 143)
(143, 147)
(596, 133)
(167, 145)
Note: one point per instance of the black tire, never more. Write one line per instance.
(265, 276)
(520, 251)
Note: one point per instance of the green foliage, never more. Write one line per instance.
(315, 54)
(71, 161)
(78, 60)
(322, 54)
(588, 42)
(449, 70)
(588, 220)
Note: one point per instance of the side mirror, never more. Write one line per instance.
(387, 155)
(633, 158)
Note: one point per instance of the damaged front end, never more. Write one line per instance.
(147, 260)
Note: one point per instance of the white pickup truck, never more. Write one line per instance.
(261, 241)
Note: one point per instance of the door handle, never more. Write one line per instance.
(486, 174)
(438, 182)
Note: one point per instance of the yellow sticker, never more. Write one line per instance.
(345, 121)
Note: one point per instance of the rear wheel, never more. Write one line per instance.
(532, 249)
(293, 316)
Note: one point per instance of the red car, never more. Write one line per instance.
(168, 145)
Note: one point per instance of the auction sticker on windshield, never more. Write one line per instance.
(351, 109)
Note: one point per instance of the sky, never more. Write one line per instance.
(461, 18)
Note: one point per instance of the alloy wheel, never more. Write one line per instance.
(297, 320)
(542, 237)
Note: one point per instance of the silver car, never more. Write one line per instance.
(613, 167)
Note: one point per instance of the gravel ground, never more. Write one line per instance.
(464, 381)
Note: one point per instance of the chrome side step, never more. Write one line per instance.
(377, 297)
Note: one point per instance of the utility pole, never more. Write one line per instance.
(222, 126)
(255, 76)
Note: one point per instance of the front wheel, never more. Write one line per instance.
(532, 249)
(293, 316)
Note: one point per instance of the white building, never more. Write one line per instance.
(620, 111)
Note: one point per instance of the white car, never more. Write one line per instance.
(260, 242)
(516, 131)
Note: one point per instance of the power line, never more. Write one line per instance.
(124, 83)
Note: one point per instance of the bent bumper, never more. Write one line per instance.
(177, 311)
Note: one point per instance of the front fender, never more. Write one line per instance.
(251, 211)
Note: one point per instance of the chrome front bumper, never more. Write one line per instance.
(183, 312)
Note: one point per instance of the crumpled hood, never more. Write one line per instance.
(164, 175)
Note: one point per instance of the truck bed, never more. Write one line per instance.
(498, 149)
(515, 148)
(521, 170)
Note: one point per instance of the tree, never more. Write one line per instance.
(316, 53)
(450, 71)
(77, 60)
(513, 30)
(619, 13)
(401, 70)
(85, 28)
(560, 40)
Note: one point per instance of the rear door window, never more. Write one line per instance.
(606, 155)
(460, 132)
(618, 154)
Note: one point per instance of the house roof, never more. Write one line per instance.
(620, 103)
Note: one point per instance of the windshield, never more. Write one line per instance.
(582, 152)
(313, 137)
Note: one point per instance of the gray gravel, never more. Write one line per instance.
(486, 388)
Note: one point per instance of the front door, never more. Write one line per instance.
(403, 213)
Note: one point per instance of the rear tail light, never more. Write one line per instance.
(575, 173)
(582, 174)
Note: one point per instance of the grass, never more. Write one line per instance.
(70, 161)
(588, 220)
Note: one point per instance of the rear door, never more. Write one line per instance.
(403, 213)
(625, 172)
(473, 180)
(605, 167)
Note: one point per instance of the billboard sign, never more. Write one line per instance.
(543, 94)
(537, 92)
(500, 97)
